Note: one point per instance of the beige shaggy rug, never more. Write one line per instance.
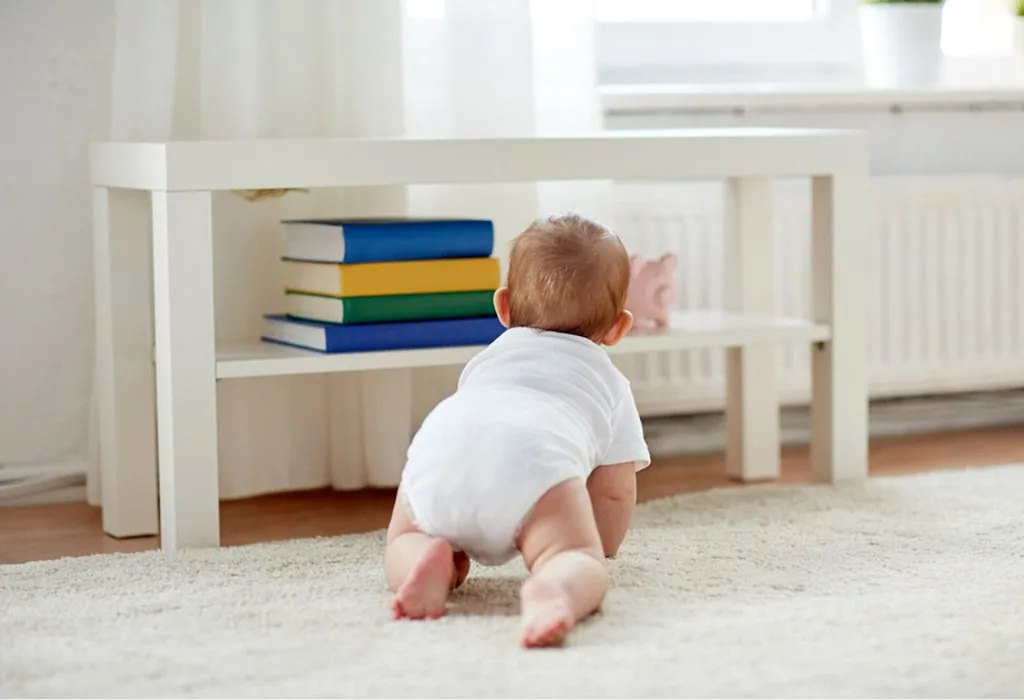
(908, 587)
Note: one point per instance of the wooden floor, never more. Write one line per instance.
(73, 529)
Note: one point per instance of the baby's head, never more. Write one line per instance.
(571, 275)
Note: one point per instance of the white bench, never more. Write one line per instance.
(180, 177)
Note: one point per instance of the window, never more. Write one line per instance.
(725, 40)
(705, 11)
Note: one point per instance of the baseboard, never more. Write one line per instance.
(19, 473)
(71, 494)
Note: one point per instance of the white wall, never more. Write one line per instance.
(55, 59)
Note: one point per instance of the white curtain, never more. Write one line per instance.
(226, 69)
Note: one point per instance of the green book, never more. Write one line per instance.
(389, 308)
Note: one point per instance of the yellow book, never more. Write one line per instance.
(385, 278)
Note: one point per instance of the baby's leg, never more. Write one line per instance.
(420, 569)
(562, 549)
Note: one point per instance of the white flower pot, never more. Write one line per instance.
(901, 44)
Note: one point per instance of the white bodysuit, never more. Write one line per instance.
(534, 409)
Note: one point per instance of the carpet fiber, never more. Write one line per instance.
(908, 586)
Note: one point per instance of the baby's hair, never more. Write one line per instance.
(568, 274)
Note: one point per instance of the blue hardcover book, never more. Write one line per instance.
(365, 240)
(369, 337)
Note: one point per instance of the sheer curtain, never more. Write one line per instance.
(227, 69)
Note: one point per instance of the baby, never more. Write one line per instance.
(537, 451)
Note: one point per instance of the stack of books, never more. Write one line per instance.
(358, 285)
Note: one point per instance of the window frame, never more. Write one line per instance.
(688, 51)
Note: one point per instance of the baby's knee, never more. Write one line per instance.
(562, 520)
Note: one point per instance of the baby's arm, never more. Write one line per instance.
(612, 486)
(612, 491)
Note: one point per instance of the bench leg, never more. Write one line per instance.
(125, 409)
(839, 393)
(752, 405)
(185, 369)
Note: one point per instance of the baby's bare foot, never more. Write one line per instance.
(546, 614)
(424, 594)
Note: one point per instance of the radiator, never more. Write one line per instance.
(946, 306)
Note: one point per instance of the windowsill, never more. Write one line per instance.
(631, 100)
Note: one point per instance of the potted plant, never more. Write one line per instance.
(901, 42)
(1018, 34)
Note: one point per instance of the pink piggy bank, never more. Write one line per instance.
(652, 291)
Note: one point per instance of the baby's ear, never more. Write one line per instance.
(669, 261)
(622, 326)
(501, 306)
